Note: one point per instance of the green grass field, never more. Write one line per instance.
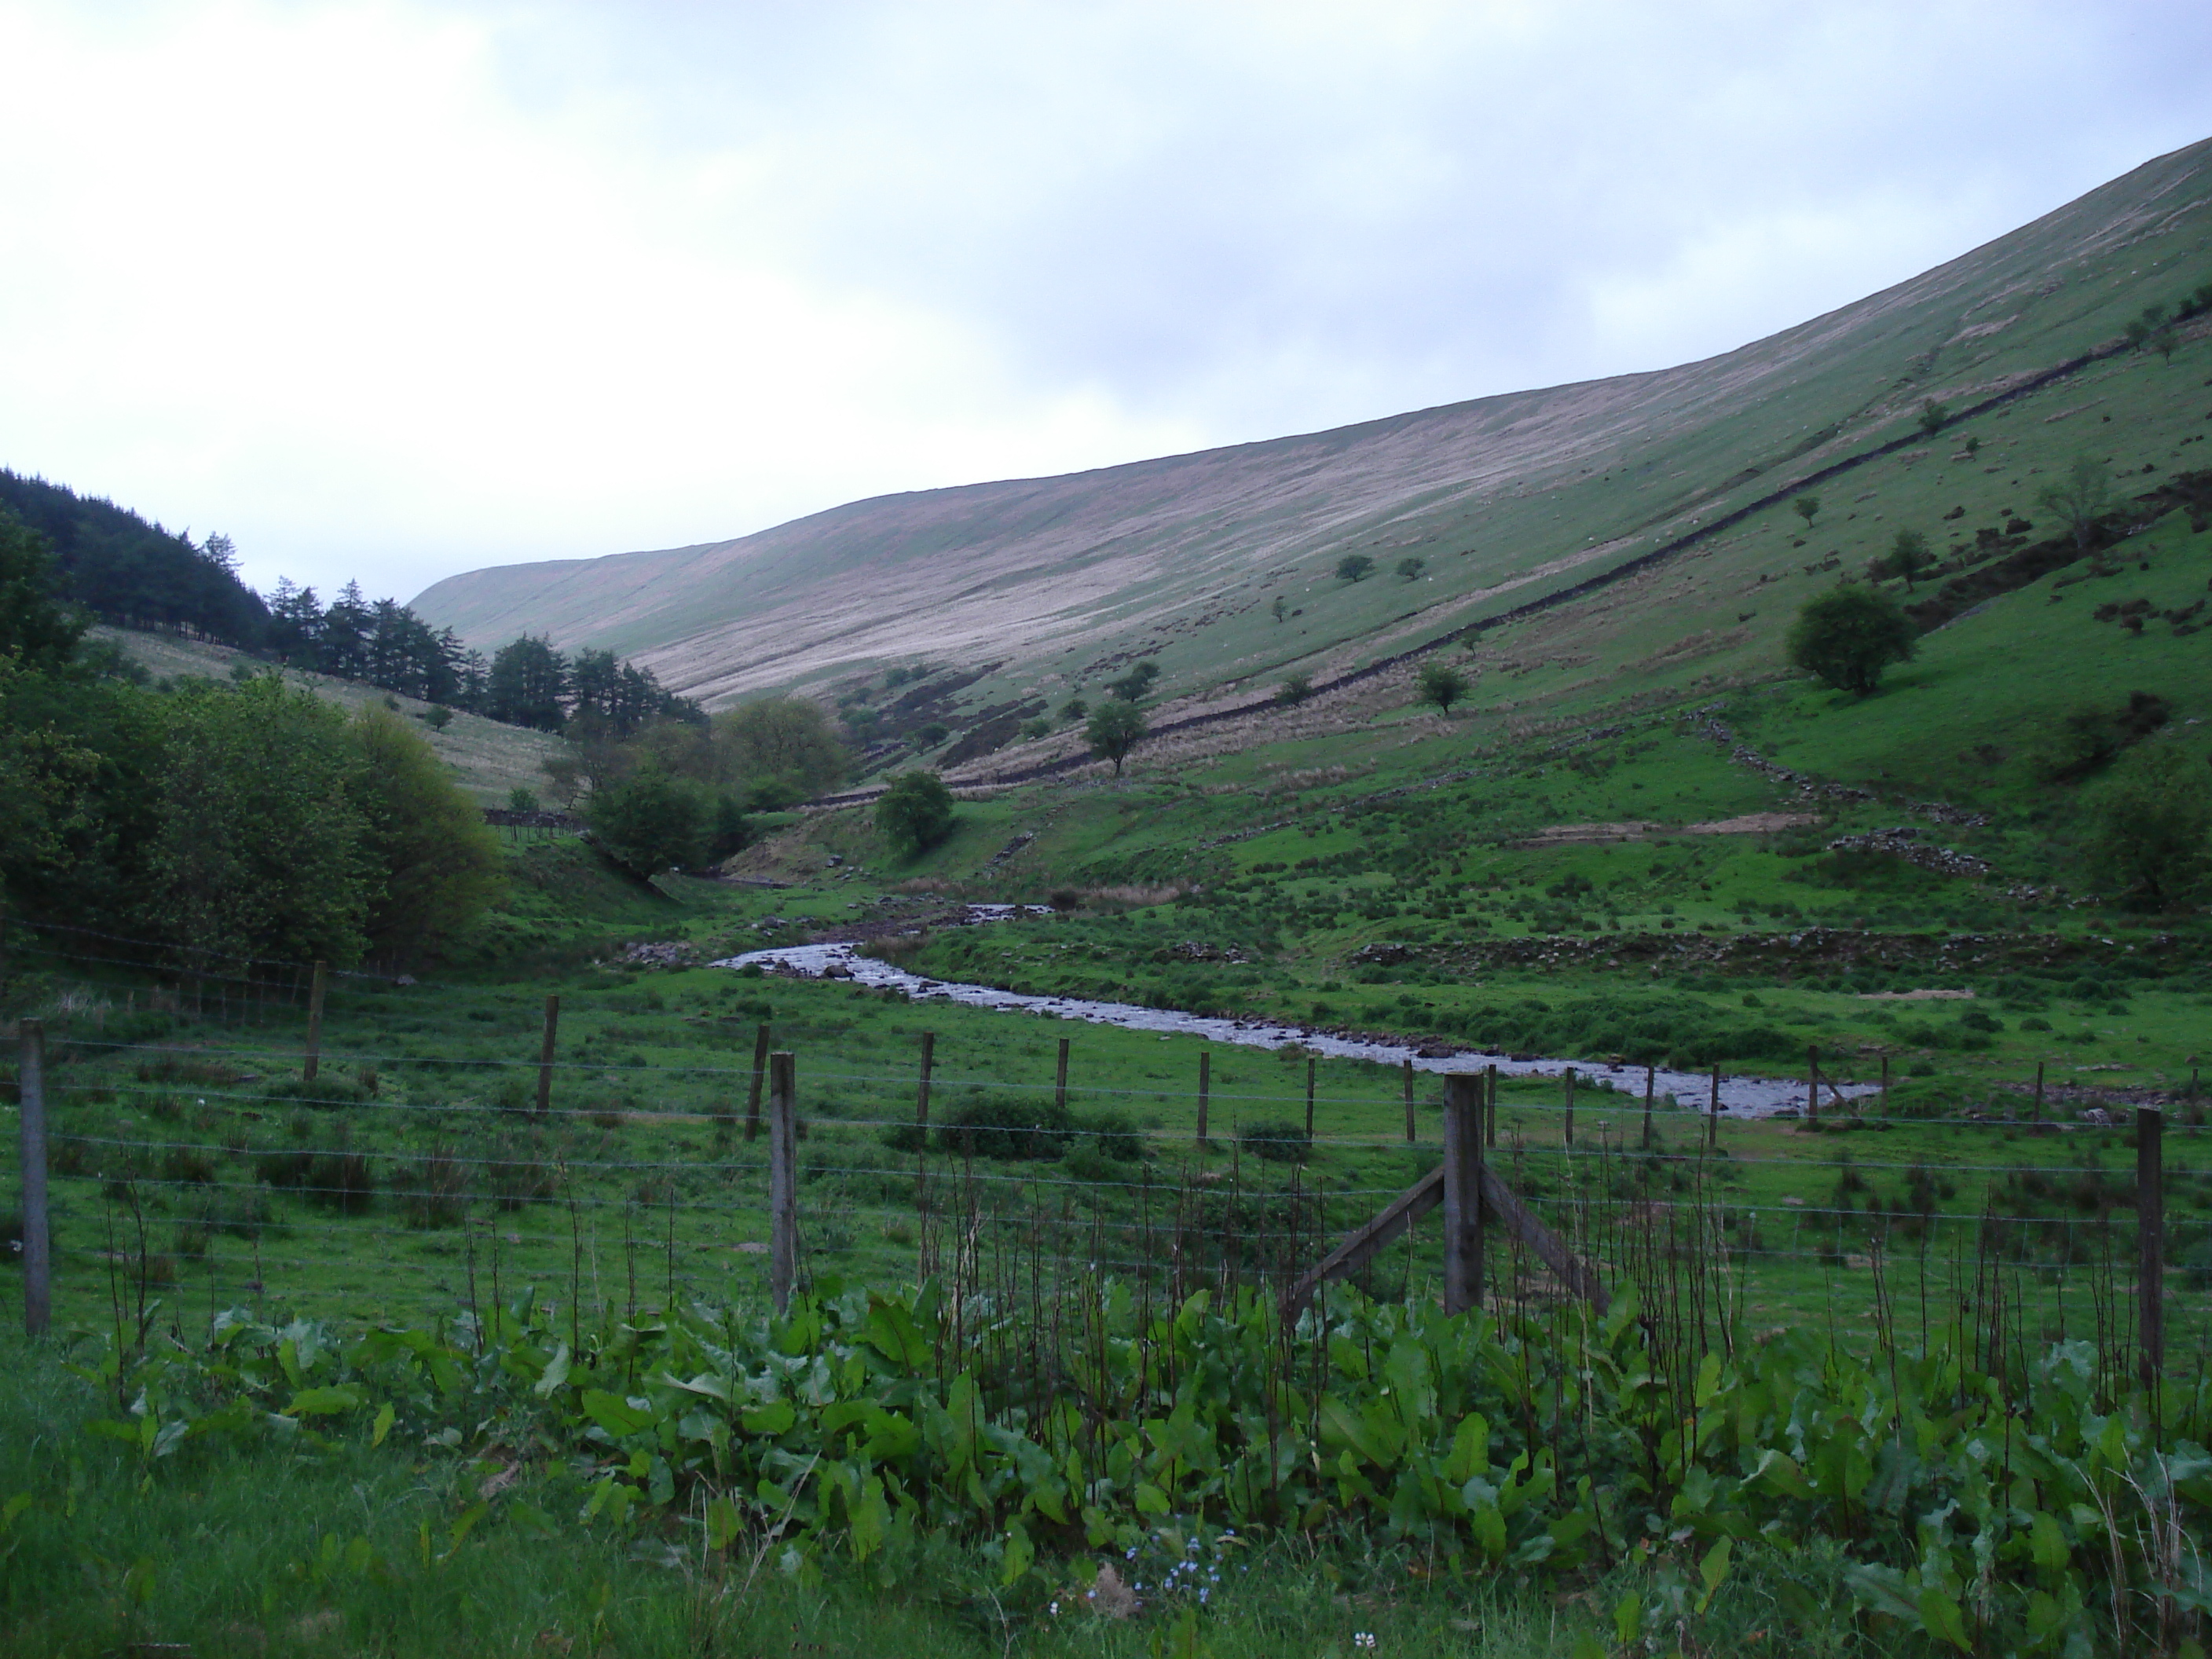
(1372, 869)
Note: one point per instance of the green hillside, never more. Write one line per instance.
(488, 757)
(1018, 591)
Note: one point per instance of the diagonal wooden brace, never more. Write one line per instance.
(1498, 1200)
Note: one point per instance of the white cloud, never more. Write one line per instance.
(395, 289)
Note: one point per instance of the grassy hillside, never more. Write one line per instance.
(488, 757)
(1020, 591)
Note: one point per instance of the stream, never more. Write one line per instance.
(1740, 1097)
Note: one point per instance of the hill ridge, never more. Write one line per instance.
(1059, 577)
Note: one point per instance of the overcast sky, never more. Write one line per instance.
(396, 290)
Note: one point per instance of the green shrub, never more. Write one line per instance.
(1276, 1143)
(914, 813)
(1116, 1137)
(1007, 1126)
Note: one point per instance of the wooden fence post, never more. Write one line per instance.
(1650, 1077)
(760, 1075)
(782, 1178)
(2038, 1091)
(1060, 1081)
(1205, 1089)
(1713, 1113)
(1407, 1078)
(1310, 1064)
(1813, 1089)
(37, 1262)
(1463, 1114)
(1570, 1107)
(308, 1066)
(546, 1055)
(2150, 1240)
(1885, 1085)
(921, 1084)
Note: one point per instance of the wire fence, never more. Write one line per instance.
(199, 1141)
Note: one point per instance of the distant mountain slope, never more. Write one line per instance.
(1042, 582)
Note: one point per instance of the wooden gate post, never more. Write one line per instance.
(2038, 1091)
(1205, 1089)
(546, 1055)
(38, 1261)
(2150, 1240)
(1059, 1082)
(782, 1178)
(313, 1061)
(1463, 1192)
(1570, 1106)
(1310, 1064)
(760, 1075)
(1713, 1113)
(1650, 1077)
(1489, 1107)
(1812, 1087)
(1407, 1078)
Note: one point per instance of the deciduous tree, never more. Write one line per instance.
(915, 813)
(775, 752)
(263, 848)
(1849, 635)
(1442, 684)
(2079, 498)
(1115, 730)
(652, 821)
(2153, 826)
(1907, 557)
(434, 864)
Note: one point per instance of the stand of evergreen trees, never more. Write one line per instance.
(113, 564)
(525, 683)
(132, 574)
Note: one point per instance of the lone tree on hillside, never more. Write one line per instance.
(1073, 710)
(1115, 730)
(2141, 328)
(1442, 685)
(1353, 566)
(1805, 507)
(1409, 570)
(1133, 686)
(1281, 608)
(1907, 557)
(1847, 635)
(2079, 498)
(914, 813)
(1294, 690)
(2154, 828)
(1933, 415)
